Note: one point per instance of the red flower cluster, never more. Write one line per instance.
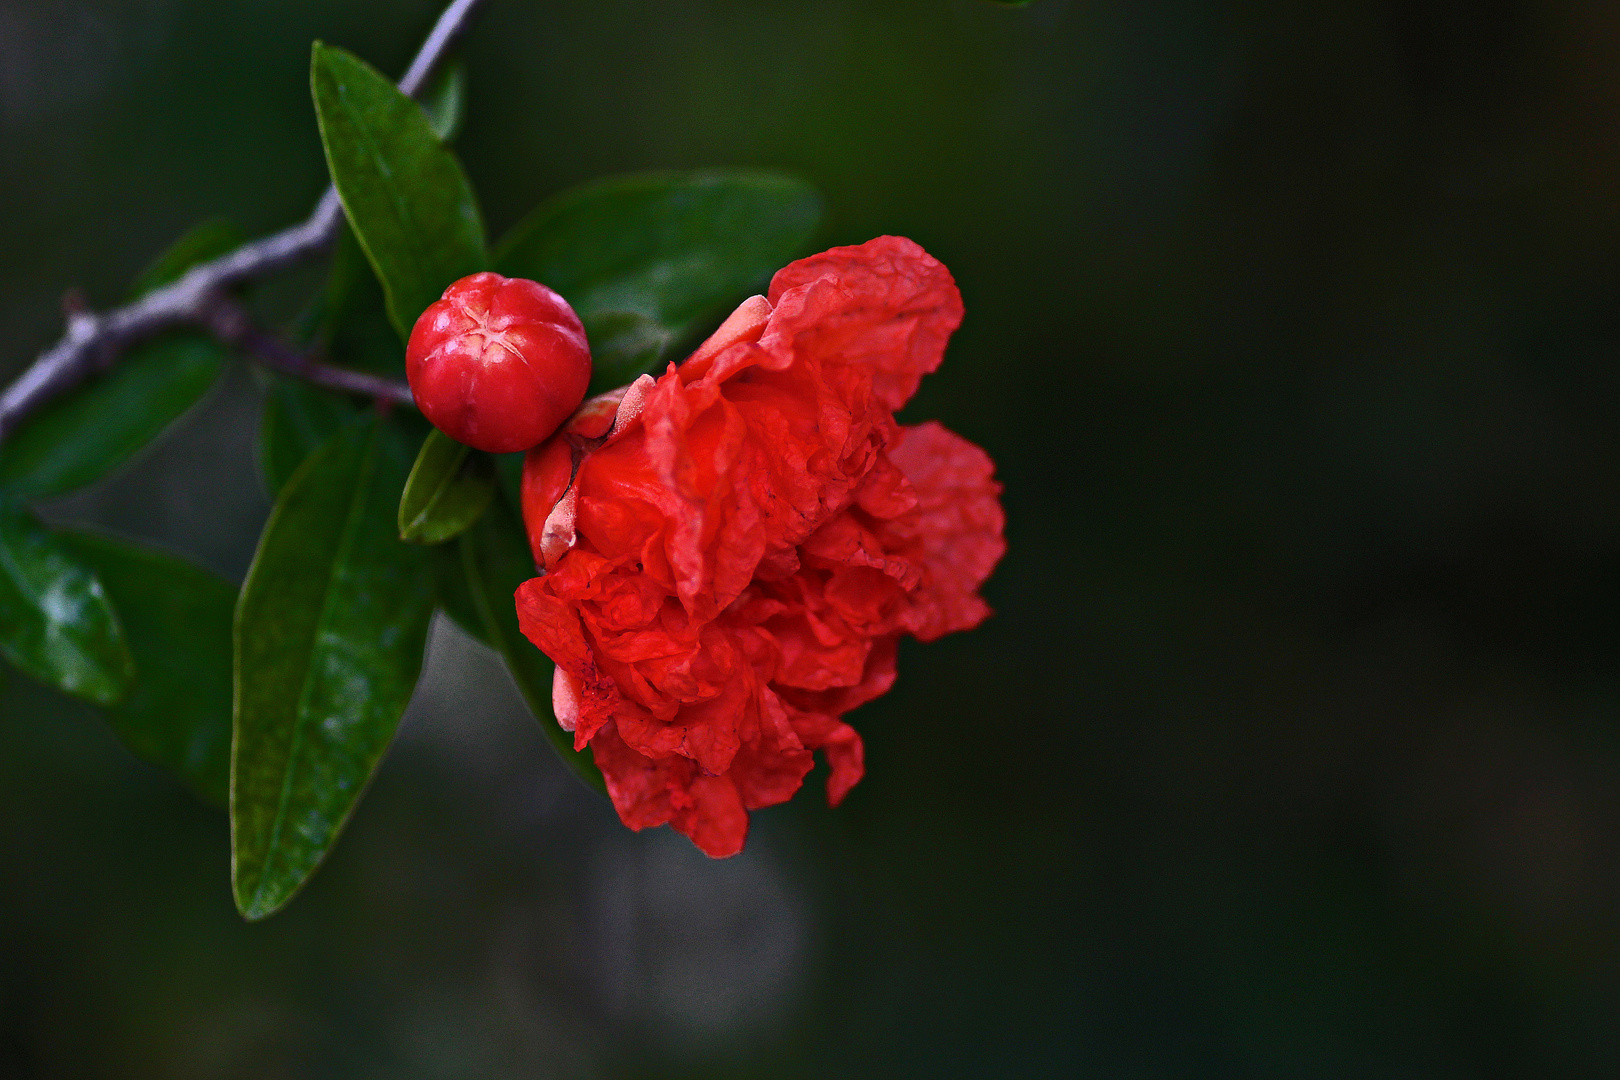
(732, 551)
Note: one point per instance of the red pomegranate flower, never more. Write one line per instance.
(731, 552)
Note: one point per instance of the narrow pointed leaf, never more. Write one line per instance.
(405, 194)
(330, 629)
(177, 621)
(646, 259)
(496, 556)
(56, 622)
(449, 487)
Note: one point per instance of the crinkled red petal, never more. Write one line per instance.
(748, 535)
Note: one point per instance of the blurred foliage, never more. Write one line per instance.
(56, 622)
(1291, 750)
(83, 435)
(647, 260)
(176, 618)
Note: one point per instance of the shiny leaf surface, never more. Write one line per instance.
(495, 553)
(405, 194)
(330, 630)
(177, 621)
(56, 622)
(645, 259)
(450, 485)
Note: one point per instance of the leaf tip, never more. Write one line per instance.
(256, 908)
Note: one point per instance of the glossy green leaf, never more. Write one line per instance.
(445, 102)
(56, 622)
(205, 240)
(495, 553)
(646, 259)
(330, 630)
(449, 488)
(297, 418)
(85, 434)
(177, 621)
(405, 194)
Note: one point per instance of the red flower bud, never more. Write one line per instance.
(498, 363)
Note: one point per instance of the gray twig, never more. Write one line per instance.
(94, 340)
(230, 322)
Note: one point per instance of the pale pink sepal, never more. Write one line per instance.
(564, 699)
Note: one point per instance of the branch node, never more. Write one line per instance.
(93, 342)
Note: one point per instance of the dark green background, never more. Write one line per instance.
(1293, 749)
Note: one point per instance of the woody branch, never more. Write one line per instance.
(201, 297)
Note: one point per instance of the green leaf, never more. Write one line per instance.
(177, 620)
(509, 476)
(354, 322)
(455, 592)
(645, 259)
(623, 345)
(455, 589)
(297, 418)
(205, 240)
(330, 629)
(410, 204)
(83, 435)
(495, 553)
(56, 622)
(449, 487)
(445, 102)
